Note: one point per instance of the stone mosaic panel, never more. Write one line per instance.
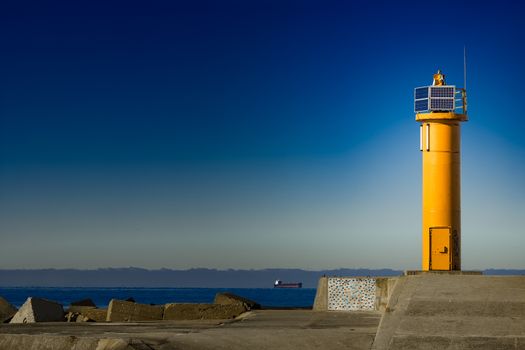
(351, 293)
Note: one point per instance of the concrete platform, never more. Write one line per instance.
(453, 311)
(261, 329)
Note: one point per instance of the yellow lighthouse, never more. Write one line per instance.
(440, 109)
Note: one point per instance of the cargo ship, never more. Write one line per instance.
(280, 284)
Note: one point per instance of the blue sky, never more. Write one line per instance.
(242, 134)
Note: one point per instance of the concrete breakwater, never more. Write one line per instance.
(225, 306)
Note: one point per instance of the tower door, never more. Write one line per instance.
(440, 249)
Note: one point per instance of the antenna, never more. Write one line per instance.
(464, 94)
(465, 67)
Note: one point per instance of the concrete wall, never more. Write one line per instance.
(353, 293)
(321, 296)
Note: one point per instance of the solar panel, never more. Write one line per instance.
(441, 104)
(442, 91)
(434, 98)
(421, 92)
(421, 105)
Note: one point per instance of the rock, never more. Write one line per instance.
(76, 317)
(131, 300)
(126, 311)
(87, 315)
(202, 311)
(82, 318)
(71, 316)
(6, 310)
(83, 302)
(229, 298)
(39, 310)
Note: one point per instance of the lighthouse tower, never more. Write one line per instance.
(440, 109)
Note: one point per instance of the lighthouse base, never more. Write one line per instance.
(454, 272)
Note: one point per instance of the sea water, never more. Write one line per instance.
(268, 297)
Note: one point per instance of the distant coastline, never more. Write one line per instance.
(191, 278)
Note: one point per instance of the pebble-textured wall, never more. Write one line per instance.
(351, 293)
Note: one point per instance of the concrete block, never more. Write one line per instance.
(78, 309)
(202, 311)
(39, 310)
(81, 305)
(229, 299)
(6, 310)
(321, 295)
(97, 315)
(125, 311)
(83, 302)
